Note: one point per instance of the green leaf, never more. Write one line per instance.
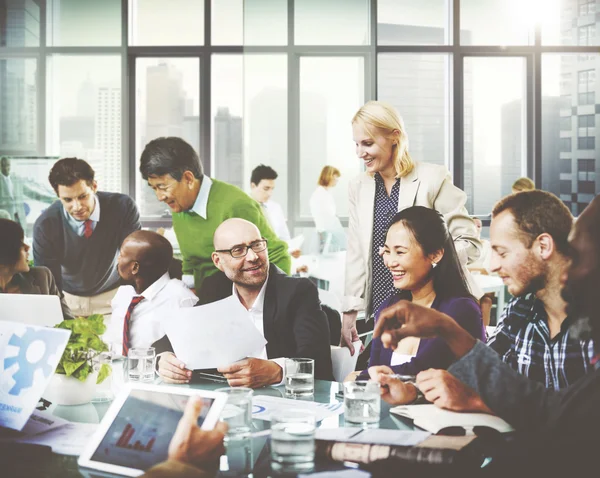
(105, 371)
(71, 367)
(83, 372)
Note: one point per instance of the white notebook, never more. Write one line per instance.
(433, 419)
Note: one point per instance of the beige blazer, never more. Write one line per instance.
(427, 185)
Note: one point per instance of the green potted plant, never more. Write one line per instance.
(75, 378)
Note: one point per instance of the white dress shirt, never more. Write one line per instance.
(255, 314)
(146, 323)
(323, 211)
(274, 213)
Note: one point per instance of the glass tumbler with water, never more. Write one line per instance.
(292, 440)
(140, 364)
(237, 412)
(362, 402)
(299, 377)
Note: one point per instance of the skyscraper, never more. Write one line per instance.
(229, 165)
(108, 136)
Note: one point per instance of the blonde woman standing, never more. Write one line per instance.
(323, 210)
(392, 182)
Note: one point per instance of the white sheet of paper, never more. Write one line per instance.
(28, 357)
(352, 473)
(263, 406)
(343, 363)
(41, 422)
(433, 419)
(213, 335)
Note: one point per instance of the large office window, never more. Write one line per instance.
(167, 104)
(495, 118)
(252, 81)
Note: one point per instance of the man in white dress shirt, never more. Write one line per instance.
(138, 309)
(286, 310)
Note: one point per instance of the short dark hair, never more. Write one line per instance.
(429, 229)
(537, 212)
(11, 241)
(68, 171)
(261, 172)
(170, 155)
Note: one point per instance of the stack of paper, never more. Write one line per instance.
(433, 419)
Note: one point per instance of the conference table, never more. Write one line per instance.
(250, 457)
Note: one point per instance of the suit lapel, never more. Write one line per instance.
(409, 185)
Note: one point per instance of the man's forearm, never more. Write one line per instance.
(457, 338)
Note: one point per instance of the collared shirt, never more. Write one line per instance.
(274, 213)
(201, 203)
(255, 314)
(522, 339)
(160, 299)
(384, 209)
(79, 226)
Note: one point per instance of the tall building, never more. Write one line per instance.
(579, 157)
(108, 137)
(229, 163)
(19, 23)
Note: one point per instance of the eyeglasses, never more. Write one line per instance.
(240, 251)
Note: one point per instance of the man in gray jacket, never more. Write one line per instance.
(557, 430)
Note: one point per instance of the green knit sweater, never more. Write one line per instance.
(195, 234)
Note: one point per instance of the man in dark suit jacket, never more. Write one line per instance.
(285, 309)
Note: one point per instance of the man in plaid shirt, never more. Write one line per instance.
(529, 233)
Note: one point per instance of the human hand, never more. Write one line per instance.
(351, 377)
(444, 390)
(349, 333)
(172, 370)
(394, 391)
(190, 444)
(252, 372)
(296, 253)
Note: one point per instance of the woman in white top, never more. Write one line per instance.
(323, 210)
(393, 181)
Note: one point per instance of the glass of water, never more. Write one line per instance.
(299, 377)
(237, 412)
(362, 403)
(292, 440)
(140, 364)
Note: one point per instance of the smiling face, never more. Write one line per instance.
(178, 195)
(79, 199)
(376, 151)
(248, 271)
(403, 256)
(262, 191)
(519, 266)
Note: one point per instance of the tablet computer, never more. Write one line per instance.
(135, 433)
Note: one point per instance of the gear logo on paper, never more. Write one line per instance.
(28, 358)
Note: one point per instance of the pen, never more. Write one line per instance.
(404, 378)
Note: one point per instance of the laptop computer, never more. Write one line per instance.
(31, 309)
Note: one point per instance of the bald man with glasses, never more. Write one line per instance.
(286, 310)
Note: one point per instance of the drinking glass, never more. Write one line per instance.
(237, 412)
(362, 402)
(140, 364)
(299, 377)
(292, 440)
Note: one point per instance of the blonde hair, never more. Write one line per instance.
(523, 184)
(327, 175)
(384, 117)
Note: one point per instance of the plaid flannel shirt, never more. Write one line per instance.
(522, 339)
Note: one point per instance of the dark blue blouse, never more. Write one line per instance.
(384, 209)
(432, 353)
